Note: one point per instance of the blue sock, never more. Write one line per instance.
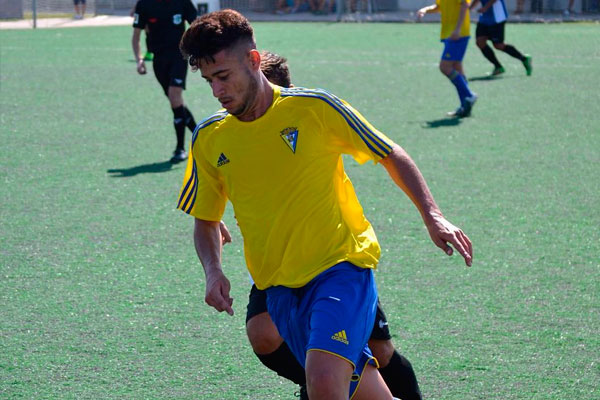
(461, 85)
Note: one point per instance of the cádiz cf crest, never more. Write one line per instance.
(290, 137)
(177, 19)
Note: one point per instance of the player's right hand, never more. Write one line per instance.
(421, 13)
(217, 292)
(141, 67)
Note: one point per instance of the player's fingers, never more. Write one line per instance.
(442, 244)
(456, 241)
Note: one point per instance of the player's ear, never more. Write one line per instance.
(254, 57)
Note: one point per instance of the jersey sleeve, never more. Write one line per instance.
(139, 17)
(189, 13)
(352, 134)
(202, 194)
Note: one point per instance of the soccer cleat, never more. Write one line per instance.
(464, 110)
(178, 156)
(303, 393)
(497, 71)
(460, 112)
(148, 56)
(527, 65)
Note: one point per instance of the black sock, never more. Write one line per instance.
(284, 363)
(179, 123)
(511, 51)
(400, 378)
(491, 56)
(190, 122)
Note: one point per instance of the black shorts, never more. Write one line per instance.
(76, 2)
(257, 304)
(495, 32)
(170, 69)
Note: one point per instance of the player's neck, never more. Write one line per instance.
(262, 102)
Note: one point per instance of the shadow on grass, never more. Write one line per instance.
(438, 123)
(484, 78)
(153, 168)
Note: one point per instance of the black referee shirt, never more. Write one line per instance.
(165, 20)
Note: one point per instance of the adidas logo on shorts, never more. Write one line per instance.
(341, 337)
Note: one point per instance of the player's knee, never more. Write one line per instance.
(499, 46)
(263, 335)
(382, 350)
(323, 384)
(481, 42)
(445, 68)
(175, 95)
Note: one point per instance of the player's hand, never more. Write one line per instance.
(421, 13)
(443, 233)
(481, 10)
(455, 36)
(141, 67)
(217, 292)
(225, 235)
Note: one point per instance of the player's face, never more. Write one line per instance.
(232, 81)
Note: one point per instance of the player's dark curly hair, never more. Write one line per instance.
(214, 32)
(275, 68)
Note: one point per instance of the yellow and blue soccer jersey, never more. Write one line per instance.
(450, 11)
(283, 173)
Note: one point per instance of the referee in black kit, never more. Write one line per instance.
(164, 23)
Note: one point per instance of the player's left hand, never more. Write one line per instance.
(442, 233)
(225, 235)
(481, 10)
(141, 67)
(455, 35)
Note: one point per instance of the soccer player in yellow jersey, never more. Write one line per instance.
(270, 348)
(455, 33)
(276, 154)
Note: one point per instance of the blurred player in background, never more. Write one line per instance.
(455, 33)
(269, 346)
(492, 18)
(79, 6)
(164, 23)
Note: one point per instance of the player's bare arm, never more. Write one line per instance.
(135, 45)
(473, 4)
(489, 5)
(209, 243)
(407, 176)
(464, 6)
(427, 10)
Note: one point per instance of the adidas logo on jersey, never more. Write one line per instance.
(222, 160)
(341, 337)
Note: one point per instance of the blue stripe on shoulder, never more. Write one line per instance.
(353, 120)
(218, 116)
(193, 181)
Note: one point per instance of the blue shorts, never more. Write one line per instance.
(454, 50)
(333, 313)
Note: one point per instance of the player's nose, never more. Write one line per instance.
(217, 89)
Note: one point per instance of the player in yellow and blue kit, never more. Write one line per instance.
(276, 154)
(268, 345)
(455, 33)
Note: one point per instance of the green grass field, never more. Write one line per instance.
(101, 291)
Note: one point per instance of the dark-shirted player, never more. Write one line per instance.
(164, 23)
(492, 18)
